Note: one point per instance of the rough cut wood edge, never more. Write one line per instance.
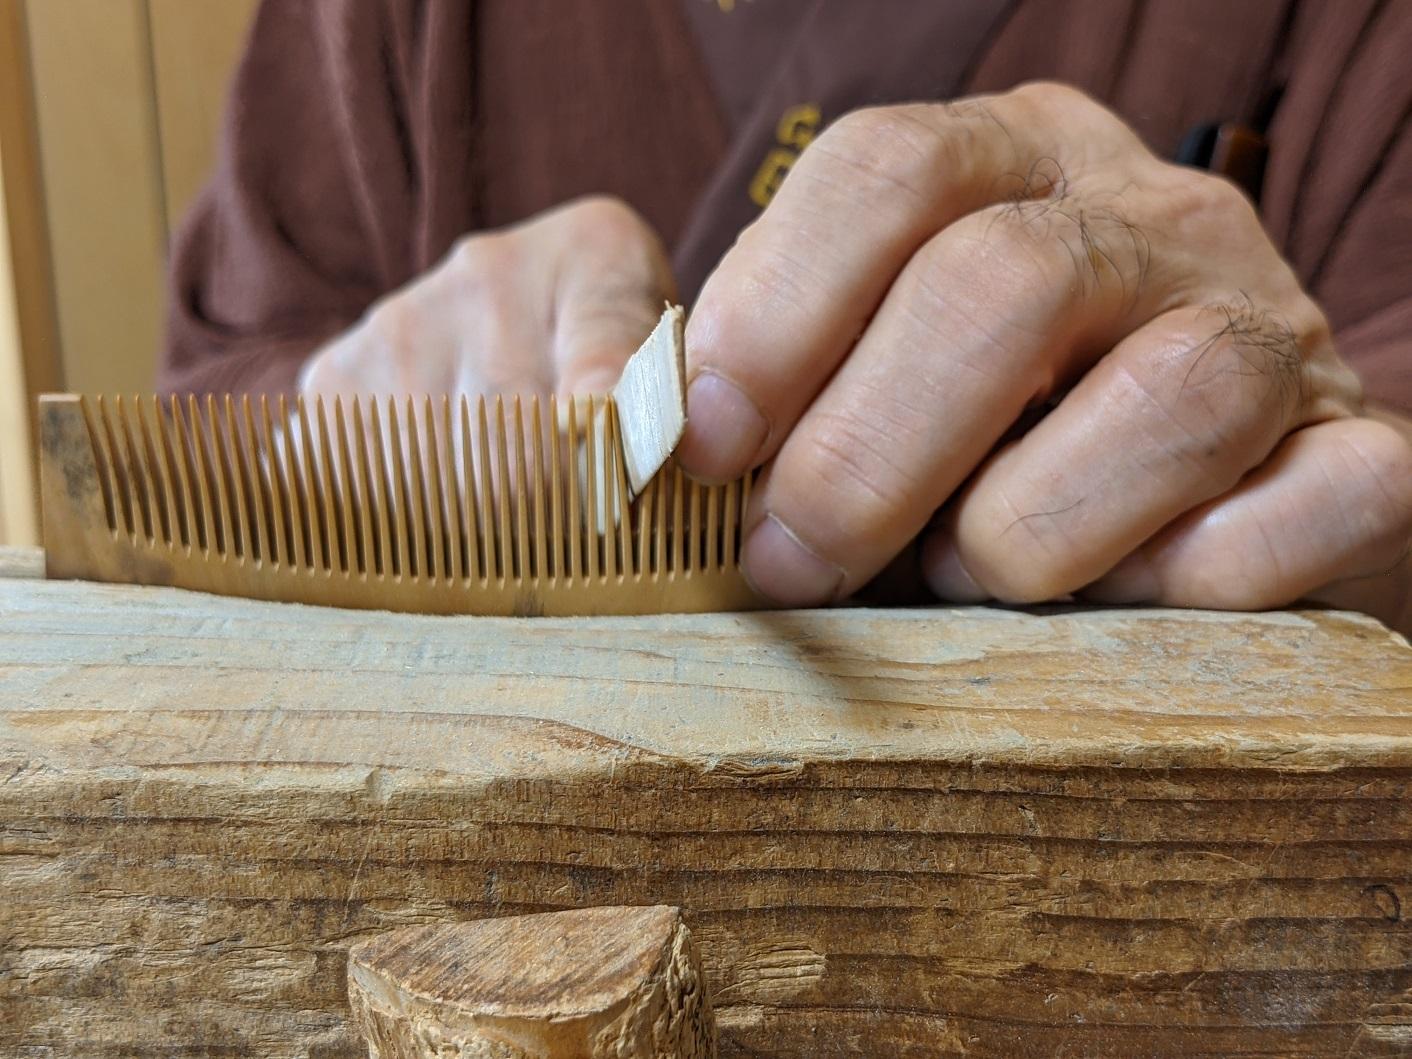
(18, 563)
(956, 832)
(651, 399)
(597, 983)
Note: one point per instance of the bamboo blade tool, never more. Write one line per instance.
(503, 506)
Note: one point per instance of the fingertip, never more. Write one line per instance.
(946, 575)
(725, 430)
(786, 571)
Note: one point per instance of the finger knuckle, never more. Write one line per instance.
(884, 150)
(392, 323)
(1381, 458)
(859, 473)
(482, 258)
(1253, 353)
(1021, 557)
(607, 216)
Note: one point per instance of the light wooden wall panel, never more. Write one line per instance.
(19, 523)
(195, 46)
(102, 183)
(29, 361)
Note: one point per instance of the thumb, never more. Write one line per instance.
(613, 281)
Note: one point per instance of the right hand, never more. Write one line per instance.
(556, 304)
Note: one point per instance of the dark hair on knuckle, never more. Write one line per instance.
(1263, 344)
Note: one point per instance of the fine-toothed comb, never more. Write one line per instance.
(506, 506)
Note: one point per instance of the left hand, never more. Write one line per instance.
(929, 276)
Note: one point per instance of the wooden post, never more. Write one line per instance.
(621, 982)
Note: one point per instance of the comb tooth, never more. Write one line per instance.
(253, 475)
(280, 548)
(502, 491)
(186, 423)
(299, 518)
(623, 497)
(522, 570)
(571, 470)
(556, 489)
(659, 532)
(367, 561)
(121, 491)
(137, 477)
(746, 483)
(712, 538)
(388, 560)
(204, 476)
(434, 534)
(230, 458)
(230, 543)
(309, 478)
(537, 455)
(610, 481)
(329, 488)
(178, 487)
(644, 527)
(406, 559)
(729, 520)
(490, 546)
(471, 523)
(161, 483)
(451, 496)
(693, 529)
(455, 531)
(590, 531)
(423, 558)
(106, 484)
(678, 541)
(354, 544)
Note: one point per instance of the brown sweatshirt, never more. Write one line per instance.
(364, 136)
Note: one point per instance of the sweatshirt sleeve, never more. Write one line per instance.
(329, 187)
(1338, 196)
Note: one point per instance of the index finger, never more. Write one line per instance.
(790, 299)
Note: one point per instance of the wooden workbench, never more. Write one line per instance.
(921, 833)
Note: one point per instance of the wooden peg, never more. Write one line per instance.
(583, 984)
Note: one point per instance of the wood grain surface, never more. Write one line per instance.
(918, 833)
(619, 982)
